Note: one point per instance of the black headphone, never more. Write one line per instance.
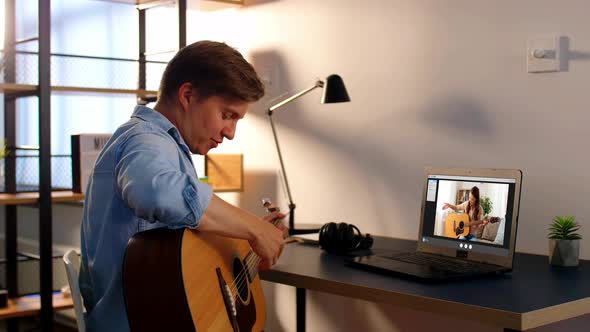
(341, 238)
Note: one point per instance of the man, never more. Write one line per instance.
(144, 177)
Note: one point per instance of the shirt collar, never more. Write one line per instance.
(156, 118)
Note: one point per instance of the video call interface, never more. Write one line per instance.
(473, 211)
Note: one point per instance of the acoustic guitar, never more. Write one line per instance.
(186, 280)
(456, 225)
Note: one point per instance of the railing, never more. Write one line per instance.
(85, 71)
(27, 170)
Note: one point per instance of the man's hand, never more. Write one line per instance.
(446, 206)
(270, 218)
(268, 240)
(281, 226)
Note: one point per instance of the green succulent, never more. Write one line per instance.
(486, 205)
(3, 150)
(564, 228)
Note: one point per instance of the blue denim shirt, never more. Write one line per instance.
(144, 178)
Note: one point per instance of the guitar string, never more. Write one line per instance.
(241, 279)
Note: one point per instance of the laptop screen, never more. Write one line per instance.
(469, 213)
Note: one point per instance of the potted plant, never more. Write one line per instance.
(564, 242)
(3, 150)
(3, 153)
(486, 205)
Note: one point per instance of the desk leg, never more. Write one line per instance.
(300, 299)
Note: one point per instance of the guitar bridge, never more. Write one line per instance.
(228, 299)
(231, 300)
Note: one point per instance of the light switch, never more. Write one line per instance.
(543, 54)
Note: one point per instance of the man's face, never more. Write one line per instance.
(207, 121)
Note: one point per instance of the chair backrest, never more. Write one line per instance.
(72, 263)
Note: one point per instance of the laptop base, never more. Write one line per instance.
(420, 272)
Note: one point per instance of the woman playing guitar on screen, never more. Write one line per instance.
(475, 212)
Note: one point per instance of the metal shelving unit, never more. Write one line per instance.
(47, 301)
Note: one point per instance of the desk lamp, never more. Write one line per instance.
(334, 92)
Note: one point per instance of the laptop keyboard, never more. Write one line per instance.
(440, 263)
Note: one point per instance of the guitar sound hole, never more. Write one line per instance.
(241, 280)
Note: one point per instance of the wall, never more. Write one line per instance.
(433, 83)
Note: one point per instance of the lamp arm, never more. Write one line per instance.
(270, 112)
(318, 84)
(276, 139)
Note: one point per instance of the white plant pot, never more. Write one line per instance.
(564, 252)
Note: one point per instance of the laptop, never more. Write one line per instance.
(455, 239)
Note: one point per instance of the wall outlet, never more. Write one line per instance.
(543, 54)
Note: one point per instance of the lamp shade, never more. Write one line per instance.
(334, 90)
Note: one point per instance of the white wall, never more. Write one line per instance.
(433, 83)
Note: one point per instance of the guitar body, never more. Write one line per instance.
(173, 280)
(456, 225)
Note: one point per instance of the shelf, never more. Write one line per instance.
(141, 93)
(31, 305)
(156, 2)
(32, 198)
(134, 2)
(11, 88)
(78, 198)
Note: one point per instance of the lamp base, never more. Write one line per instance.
(305, 229)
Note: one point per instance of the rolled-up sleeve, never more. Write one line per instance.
(197, 197)
(150, 181)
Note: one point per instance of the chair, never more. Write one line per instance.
(72, 263)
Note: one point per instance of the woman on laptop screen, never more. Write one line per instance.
(473, 209)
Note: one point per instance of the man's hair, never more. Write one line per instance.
(215, 69)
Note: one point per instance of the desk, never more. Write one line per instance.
(534, 294)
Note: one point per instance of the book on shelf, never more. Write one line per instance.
(85, 151)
